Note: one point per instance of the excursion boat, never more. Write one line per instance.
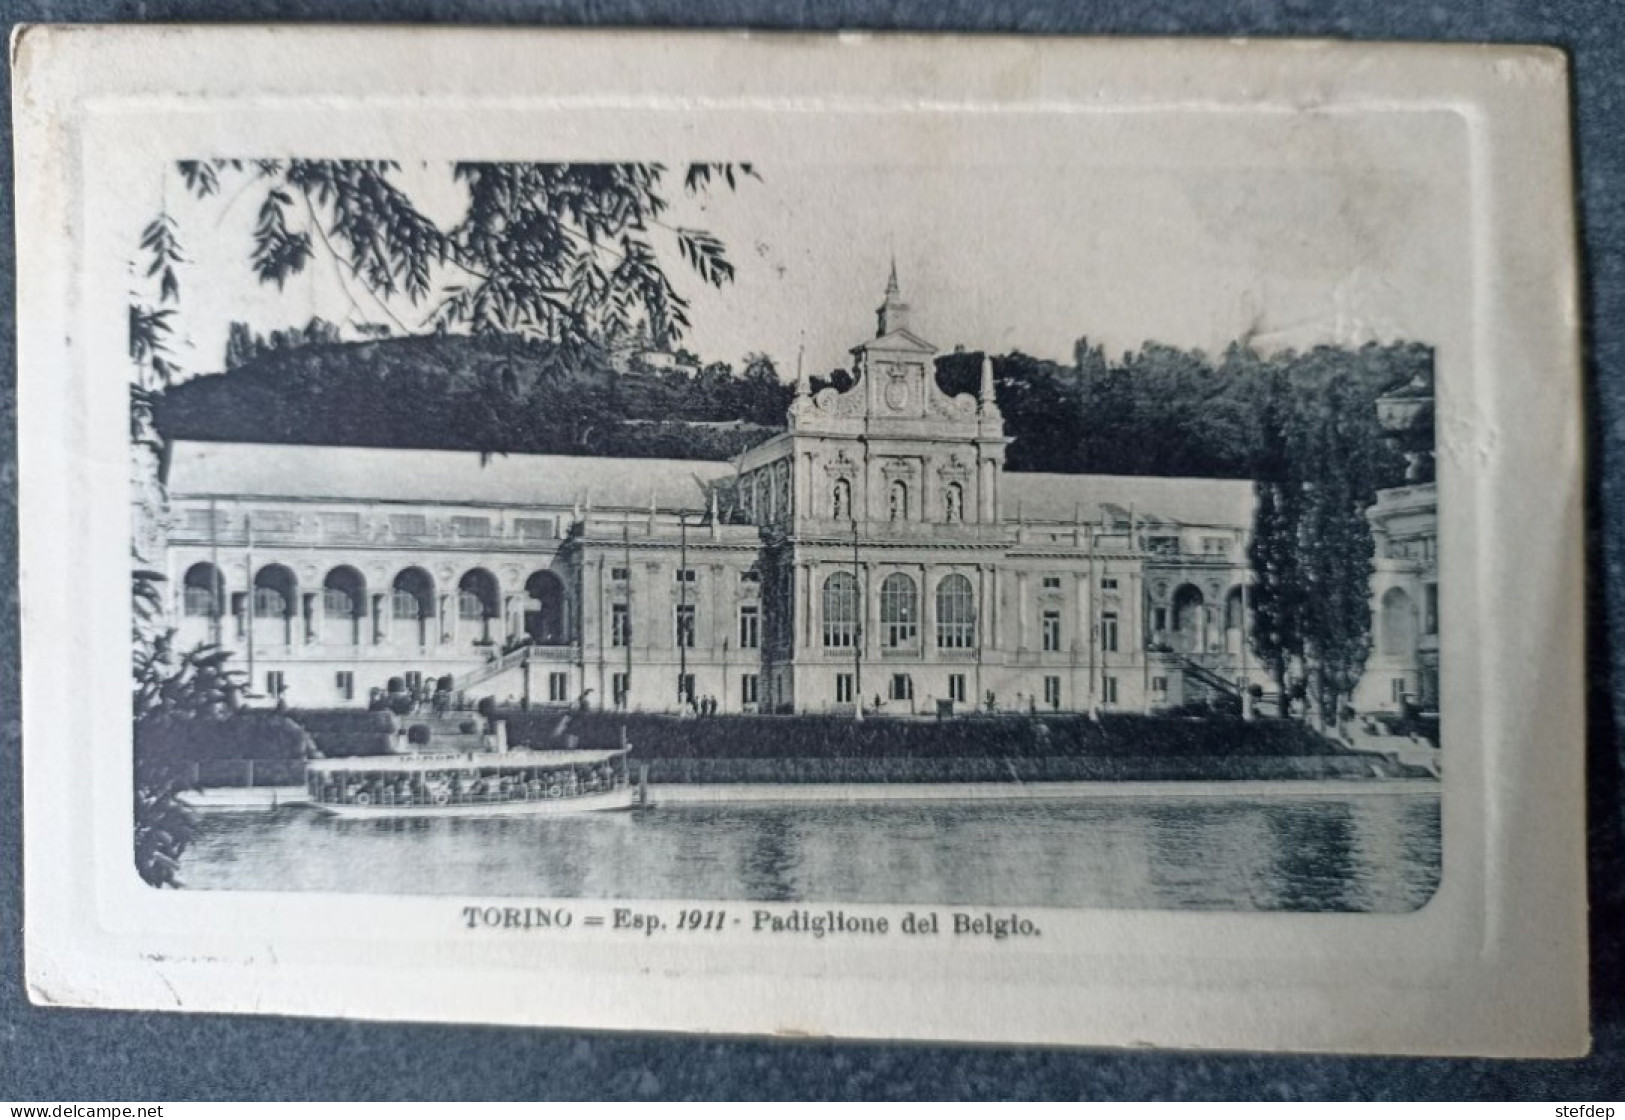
(473, 785)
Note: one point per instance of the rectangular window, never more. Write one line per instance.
(206, 521)
(747, 688)
(274, 522)
(533, 528)
(956, 688)
(685, 688)
(750, 628)
(1052, 691)
(1159, 686)
(1159, 619)
(558, 687)
(344, 681)
(902, 686)
(843, 688)
(414, 681)
(408, 525)
(1052, 631)
(1108, 689)
(620, 575)
(1398, 689)
(685, 626)
(471, 526)
(684, 575)
(620, 625)
(199, 602)
(1052, 583)
(275, 686)
(1108, 631)
(1430, 608)
(1108, 583)
(619, 683)
(340, 524)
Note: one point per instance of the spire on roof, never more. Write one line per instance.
(893, 312)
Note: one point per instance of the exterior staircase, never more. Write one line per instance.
(492, 668)
(446, 734)
(1202, 683)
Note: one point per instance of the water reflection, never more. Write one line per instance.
(1366, 852)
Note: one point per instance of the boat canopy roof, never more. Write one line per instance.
(512, 760)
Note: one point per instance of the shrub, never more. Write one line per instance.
(445, 684)
(250, 735)
(396, 684)
(487, 708)
(418, 734)
(354, 744)
(468, 727)
(316, 720)
(1114, 735)
(401, 703)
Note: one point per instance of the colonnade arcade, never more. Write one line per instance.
(409, 609)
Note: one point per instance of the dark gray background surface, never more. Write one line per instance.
(61, 1056)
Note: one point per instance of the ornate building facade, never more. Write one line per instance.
(1403, 667)
(883, 557)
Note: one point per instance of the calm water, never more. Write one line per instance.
(1365, 852)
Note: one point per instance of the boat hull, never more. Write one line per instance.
(608, 801)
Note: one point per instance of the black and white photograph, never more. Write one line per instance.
(477, 501)
(918, 517)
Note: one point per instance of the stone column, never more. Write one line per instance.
(928, 607)
(315, 617)
(994, 640)
(812, 599)
(1021, 611)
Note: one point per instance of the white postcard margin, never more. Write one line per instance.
(1495, 964)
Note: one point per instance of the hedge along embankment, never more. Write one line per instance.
(1121, 736)
(348, 733)
(259, 736)
(872, 771)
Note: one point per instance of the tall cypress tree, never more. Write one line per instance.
(1277, 592)
(1337, 459)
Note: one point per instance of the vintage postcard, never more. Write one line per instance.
(1022, 541)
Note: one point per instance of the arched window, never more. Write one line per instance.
(1398, 623)
(477, 595)
(1233, 619)
(956, 613)
(544, 609)
(953, 503)
(841, 500)
(1189, 618)
(344, 593)
(840, 611)
(898, 509)
(275, 592)
(412, 594)
(899, 611)
(203, 591)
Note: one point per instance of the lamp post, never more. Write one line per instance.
(857, 626)
(683, 635)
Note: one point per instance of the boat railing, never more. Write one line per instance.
(382, 792)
